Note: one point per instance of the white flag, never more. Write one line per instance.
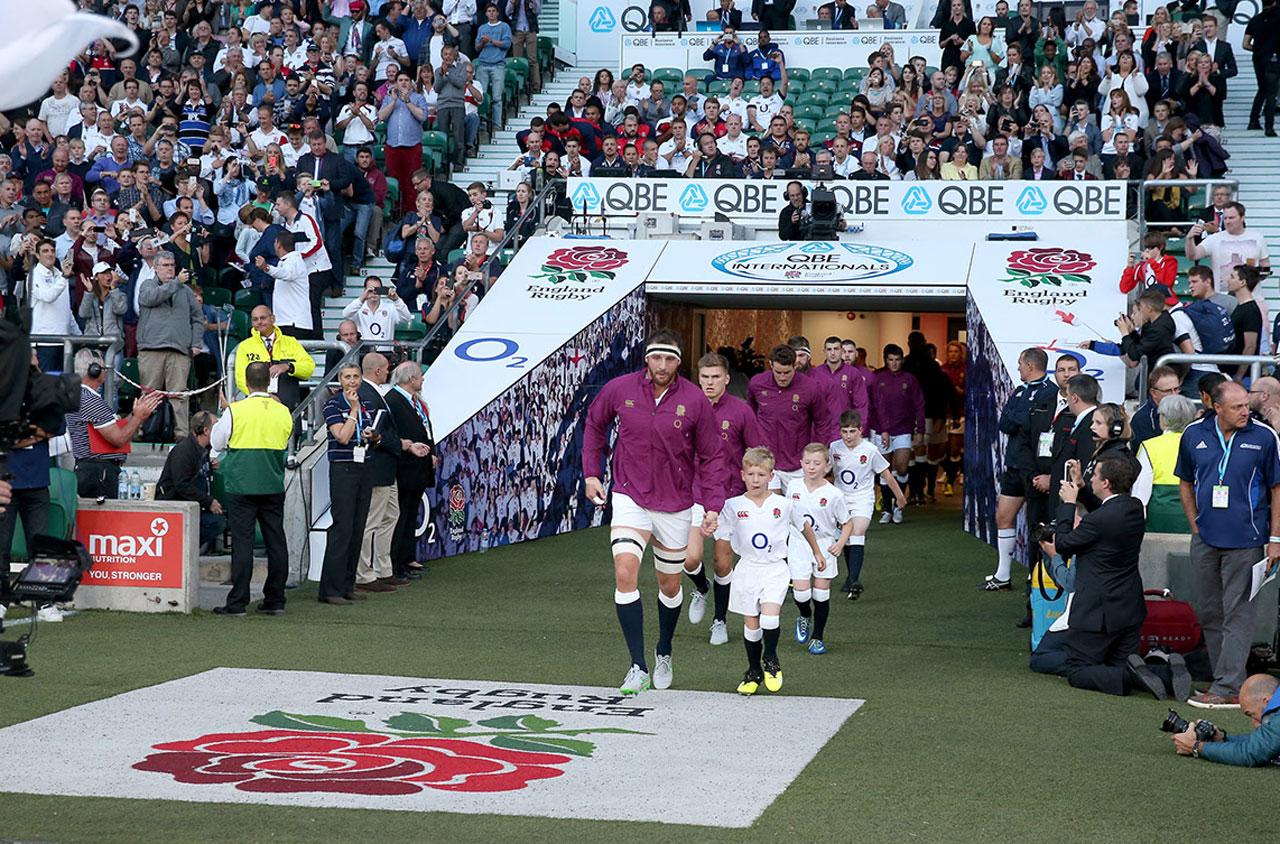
(38, 41)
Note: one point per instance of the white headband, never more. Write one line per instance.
(662, 349)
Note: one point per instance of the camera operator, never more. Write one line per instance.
(1107, 608)
(794, 218)
(28, 488)
(1259, 701)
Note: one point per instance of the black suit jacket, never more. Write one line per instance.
(1223, 55)
(334, 168)
(1069, 443)
(734, 18)
(1177, 86)
(412, 471)
(384, 459)
(848, 18)
(783, 6)
(1106, 543)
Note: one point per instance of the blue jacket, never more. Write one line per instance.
(728, 58)
(1260, 747)
(266, 247)
(757, 65)
(1023, 417)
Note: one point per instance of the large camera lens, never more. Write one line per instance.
(1174, 723)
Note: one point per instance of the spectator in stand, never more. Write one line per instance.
(1161, 384)
(170, 333)
(310, 243)
(451, 80)
(493, 40)
(482, 218)
(358, 120)
(1246, 318)
(523, 17)
(187, 476)
(1147, 331)
(726, 54)
(404, 112)
(1230, 246)
(417, 273)
(377, 312)
(1154, 270)
(1000, 165)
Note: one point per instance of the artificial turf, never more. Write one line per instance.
(958, 740)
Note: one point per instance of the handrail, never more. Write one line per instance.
(536, 206)
(1145, 184)
(114, 344)
(1255, 362)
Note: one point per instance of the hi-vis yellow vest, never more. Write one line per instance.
(1164, 510)
(254, 463)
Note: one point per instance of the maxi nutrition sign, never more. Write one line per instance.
(760, 200)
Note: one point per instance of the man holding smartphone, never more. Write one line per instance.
(377, 313)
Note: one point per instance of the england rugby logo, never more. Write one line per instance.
(581, 263)
(412, 752)
(1051, 266)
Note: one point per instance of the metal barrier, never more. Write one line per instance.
(1145, 185)
(113, 343)
(1255, 362)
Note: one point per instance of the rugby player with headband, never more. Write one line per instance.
(666, 439)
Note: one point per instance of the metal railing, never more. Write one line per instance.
(1255, 363)
(1146, 185)
(537, 206)
(113, 343)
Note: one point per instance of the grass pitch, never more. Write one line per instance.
(958, 740)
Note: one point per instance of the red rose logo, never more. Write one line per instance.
(598, 258)
(316, 753)
(287, 762)
(1050, 265)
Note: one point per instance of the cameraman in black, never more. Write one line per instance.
(1107, 608)
(794, 218)
(1259, 701)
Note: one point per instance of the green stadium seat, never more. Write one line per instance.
(129, 369)
(806, 124)
(798, 74)
(62, 514)
(217, 296)
(812, 98)
(827, 124)
(824, 86)
(811, 113)
(796, 88)
(855, 74)
(718, 86)
(239, 326)
(393, 198)
(750, 87)
(435, 148)
(455, 255)
(1176, 246)
(833, 74)
(820, 137)
(415, 329)
(247, 300)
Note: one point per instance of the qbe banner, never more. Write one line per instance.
(840, 49)
(133, 548)
(760, 200)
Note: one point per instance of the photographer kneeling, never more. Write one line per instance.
(1258, 700)
(1107, 608)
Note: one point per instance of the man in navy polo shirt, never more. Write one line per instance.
(1229, 466)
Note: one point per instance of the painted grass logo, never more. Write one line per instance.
(316, 753)
(1050, 266)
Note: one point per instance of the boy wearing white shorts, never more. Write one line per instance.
(858, 462)
(824, 508)
(756, 526)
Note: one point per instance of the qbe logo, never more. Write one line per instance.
(586, 197)
(602, 20)
(1031, 201)
(693, 200)
(917, 201)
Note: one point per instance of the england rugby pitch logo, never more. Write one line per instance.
(412, 752)
(1050, 266)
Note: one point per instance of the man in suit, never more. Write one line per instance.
(729, 16)
(843, 15)
(1224, 59)
(1073, 437)
(355, 33)
(1165, 82)
(416, 470)
(374, 572)
(331, 170)
(1107, 607)
(772, 14)
(895, 17)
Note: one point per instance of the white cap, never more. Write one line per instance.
(101, 267)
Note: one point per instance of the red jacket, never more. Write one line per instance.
(1148, 273)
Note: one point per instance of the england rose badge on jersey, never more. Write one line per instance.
(795, 397)
(862, 458)
(822, 502)
(679, 410)
(777, 514)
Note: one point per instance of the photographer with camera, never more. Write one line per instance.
(377, 313)
(1107, 608)
(1260, 702)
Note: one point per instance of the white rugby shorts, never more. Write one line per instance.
(755, 584)
(896, 442)
(670, 530)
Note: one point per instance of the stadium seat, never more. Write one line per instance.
(750, 87)
(129, 369)
(811, 113)
(812, 98)
(435, 148)
(827, 124)
(841, 100)
(1176, 246)
(415, 329)
(239, 326)
(820, 137)
(247, 300)
(806, 124)
(393, 198)
(798, 74)
(456, 255)
(833, 74)
(718, 86)
(855, 74)
(217, 296)
(795, 88)
(521, 66)
(824, 86)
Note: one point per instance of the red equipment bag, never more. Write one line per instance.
(1170, 625)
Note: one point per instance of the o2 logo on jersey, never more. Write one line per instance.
(482, 350)
(808, 520)
(848, 477)
(760, 541)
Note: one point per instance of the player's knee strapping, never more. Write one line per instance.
(668, 562)
(770, 622)
(752, 635)
(821, 594)
(724, 580)
(803, 595)
(672, 602)
(857, 539)
(625, 540)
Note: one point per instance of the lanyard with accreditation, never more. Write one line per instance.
(1220, 490)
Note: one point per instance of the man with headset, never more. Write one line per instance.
(99, 440)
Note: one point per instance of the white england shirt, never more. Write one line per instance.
(758, 532)
(824, 509)
(856, 468)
